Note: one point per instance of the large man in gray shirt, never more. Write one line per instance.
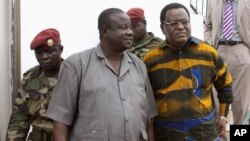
(103, 94)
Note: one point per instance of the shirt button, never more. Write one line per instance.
(123, 99)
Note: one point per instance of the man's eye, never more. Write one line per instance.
(49, 51)
(124, 26)
(176, 23)
(131, 27)
(173, 23)
(185, 22)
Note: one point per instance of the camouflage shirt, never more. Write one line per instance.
(140, 49)
(30, 107)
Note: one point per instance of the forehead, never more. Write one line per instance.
(136, 22)
(120, 18)
(177, 14)
(44, 48)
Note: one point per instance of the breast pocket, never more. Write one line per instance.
(139, 96)
(36, 102)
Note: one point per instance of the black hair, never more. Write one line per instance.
(105, 19)
(170, 7)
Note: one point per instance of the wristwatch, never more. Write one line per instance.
(223, 118)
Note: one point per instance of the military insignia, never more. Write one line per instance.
(50, 42)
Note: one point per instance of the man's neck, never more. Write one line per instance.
(52, 72)
(142, 39)
(114, 58)
(111, 53)
(175, 47)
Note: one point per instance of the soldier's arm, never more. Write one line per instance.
(60, 131)
(19, 124)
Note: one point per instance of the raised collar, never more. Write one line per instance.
(192, 40)
(100, 54)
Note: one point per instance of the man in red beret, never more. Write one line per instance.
(35, 90)
(143, 40)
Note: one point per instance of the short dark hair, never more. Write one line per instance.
(105, 19)
(170, 7)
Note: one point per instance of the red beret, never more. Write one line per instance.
(136, 13)
(47, 38)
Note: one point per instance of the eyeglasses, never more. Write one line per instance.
(176, 23)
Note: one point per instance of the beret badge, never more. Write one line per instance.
(46, 38)
(50, 42)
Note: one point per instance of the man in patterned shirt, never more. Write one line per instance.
(143, 40)
(35, 90)
(182, 72)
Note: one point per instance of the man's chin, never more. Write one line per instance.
(46, 67)
(182, 41)
(128, 46)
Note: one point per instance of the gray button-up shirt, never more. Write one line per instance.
(98, 104)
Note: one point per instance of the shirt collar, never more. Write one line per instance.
(192, 40)
(100, 54)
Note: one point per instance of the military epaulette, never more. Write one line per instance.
(158, 39)
(163, 44)
(34, 70)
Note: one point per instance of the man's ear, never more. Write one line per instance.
(61, 48)
(162, 28)
(103, 30)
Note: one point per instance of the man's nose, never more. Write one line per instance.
(180, 25)
(44, 55)
(130, 31)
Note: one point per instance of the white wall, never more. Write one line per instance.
(77, 22)
(5, 85)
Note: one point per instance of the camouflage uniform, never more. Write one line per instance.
(140, 49)
(30, 108)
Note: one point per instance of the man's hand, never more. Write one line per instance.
(221, 128)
